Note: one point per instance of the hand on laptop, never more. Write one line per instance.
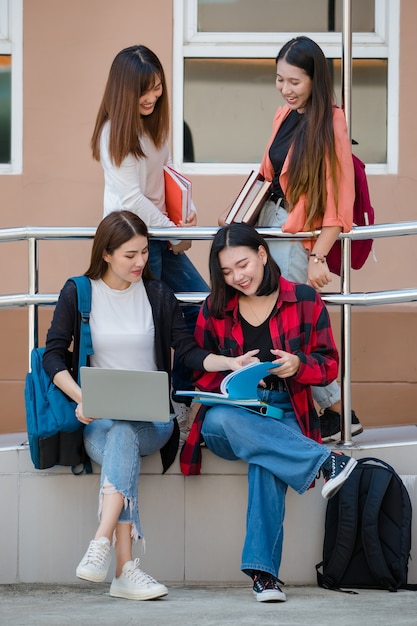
(80, 416)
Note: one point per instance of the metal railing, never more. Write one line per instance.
(345, 299)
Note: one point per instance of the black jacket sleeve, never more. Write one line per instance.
(171, 330)
(64, 332)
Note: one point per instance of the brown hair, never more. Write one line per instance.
(134, 71)
(112, 232)
(313, 139)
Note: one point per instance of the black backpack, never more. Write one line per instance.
(367, 539)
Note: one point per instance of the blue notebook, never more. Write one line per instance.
(238, 387)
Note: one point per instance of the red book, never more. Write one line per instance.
(177, 195)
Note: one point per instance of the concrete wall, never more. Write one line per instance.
(190, 523)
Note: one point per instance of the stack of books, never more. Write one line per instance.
(250, 200)
(177, 195)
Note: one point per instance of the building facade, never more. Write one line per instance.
(219, 62)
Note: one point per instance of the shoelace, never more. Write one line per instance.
(136, 575)
(327, 475)
(267, 582)
(333, 470)
(270, 584)
(96, 554)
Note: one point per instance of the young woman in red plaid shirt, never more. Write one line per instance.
(252, 307)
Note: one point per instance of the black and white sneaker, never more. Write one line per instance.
(266, 588)
(330, 426)
(336, 470)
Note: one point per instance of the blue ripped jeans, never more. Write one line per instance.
(278, 456)
(118, 447)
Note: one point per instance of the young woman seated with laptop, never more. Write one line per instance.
(135, 321)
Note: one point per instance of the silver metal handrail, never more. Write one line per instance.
(376, 231)
(345, 299)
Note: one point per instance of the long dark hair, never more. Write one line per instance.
(133, 72)
(112, 232)
(233, 236)
(313, 139)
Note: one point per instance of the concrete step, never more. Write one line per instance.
(194, 526)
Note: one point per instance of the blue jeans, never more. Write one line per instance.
(118, 447)
(292, 260)
(177, 271)
(278, 455)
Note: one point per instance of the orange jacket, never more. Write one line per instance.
(340, 215)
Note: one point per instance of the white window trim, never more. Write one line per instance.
(188, 43)
(11, 42)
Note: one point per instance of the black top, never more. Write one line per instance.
(279, 149)
(260, 337)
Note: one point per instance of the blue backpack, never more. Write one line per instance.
(54, 433)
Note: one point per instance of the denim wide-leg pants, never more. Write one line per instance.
(118, 447)
(278, 455)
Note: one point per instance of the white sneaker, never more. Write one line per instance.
(134, 584)
(96, 561)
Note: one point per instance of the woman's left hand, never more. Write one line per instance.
(318, 274)
(80, 415)
(288, 364)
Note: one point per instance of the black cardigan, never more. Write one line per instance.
(170, 332)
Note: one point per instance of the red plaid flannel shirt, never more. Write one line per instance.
(300, 324)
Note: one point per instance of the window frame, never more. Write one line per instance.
(11, 43)
(189, 43)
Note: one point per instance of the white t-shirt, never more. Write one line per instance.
(122, 327)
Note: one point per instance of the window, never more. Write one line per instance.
(320, 16)
(11, 17)
(224, 75)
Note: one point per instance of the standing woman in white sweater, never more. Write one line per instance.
(130, 140)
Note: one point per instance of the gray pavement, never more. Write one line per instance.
(90, 604)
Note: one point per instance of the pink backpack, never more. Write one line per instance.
(363, 215)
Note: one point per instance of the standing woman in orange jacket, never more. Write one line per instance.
(309, 161)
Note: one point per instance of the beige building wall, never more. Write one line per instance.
(68, 49)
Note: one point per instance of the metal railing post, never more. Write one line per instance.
(32, 290)
(347, 63)
(345, 418)
(345, 348)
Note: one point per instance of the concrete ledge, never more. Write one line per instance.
(194, 526)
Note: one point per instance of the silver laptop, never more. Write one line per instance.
(125, 394)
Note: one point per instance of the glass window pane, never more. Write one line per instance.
(369, 107)
(229, 105)
(282, 16)
(5, 108)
